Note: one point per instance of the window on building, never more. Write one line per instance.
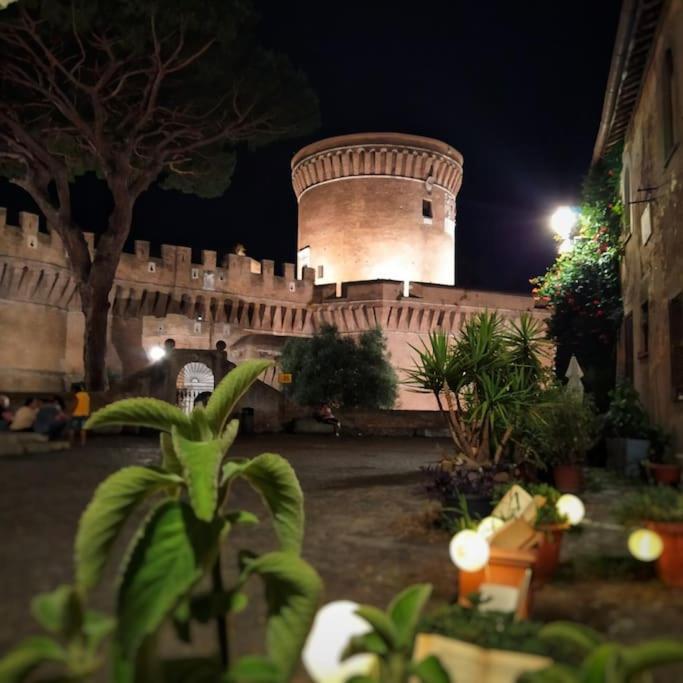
(427, 212)
(644, 329)
(321, 271)
(627, 201)
(676, 345)
(668, 105)
(628, 348)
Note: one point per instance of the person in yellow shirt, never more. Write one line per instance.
(81, 413)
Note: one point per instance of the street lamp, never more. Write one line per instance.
(156, 353)
(563, 221)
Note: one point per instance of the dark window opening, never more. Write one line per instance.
(427, 209)
(676, 346)
(628, 348)
(668, 113)
(644, 328)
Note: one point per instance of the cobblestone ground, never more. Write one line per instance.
(365, 535)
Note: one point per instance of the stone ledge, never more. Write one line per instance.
(23, 443)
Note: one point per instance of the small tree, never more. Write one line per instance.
(332, 369)
(137, 92)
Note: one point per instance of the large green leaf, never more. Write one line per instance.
(58, 611)
(638, 658)
(430, 670)
(201, 461)
(405, 610)
(169, 557)
(293, 589)
(140, 412)
(231, 389)
(250, 669)
(100, 524)
(18, 663)
(583, 638)
(273, 477)
(381, 624)
(169, 459)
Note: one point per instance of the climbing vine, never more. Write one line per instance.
(582, 287)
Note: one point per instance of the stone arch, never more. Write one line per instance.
(194, 379)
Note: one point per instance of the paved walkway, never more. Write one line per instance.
(363, 504)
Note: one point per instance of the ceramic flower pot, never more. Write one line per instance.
(670, 562)
(548, 552)
(568, 478)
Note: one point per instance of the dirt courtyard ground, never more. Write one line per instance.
(363, 501)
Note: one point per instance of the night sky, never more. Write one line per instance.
(517, 87)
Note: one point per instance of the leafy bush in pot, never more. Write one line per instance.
(652, 504)
(626, 418)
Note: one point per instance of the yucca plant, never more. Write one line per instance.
(177, 549)
(484, 381)
(392, 640)
(603, 660)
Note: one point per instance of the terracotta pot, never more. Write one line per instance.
(568, 478)
(665, 474)
(670, 562)
(548, 552)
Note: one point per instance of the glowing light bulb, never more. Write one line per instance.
(571, 507)
(334, 625)
(563, 221)
(488, 526)
(156, 353)
(469, 551)
(565, 247)
(645, 545)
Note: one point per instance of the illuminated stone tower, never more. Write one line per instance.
(377, 206)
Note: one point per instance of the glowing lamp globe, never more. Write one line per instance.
(565, 247)
(645, 545)
(156, 353)
(334, 625)
(488, 526)
(563, 221)
(469, 551)
(571, 507)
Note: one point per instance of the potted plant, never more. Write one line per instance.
(627, 431)
(563, 431)
(485, 382)
(660, 508)
(662, 467)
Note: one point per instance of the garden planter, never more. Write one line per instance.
(505, 567)
(548, 552)
(466, 662)
(626, 455)
(670, 562)
(568, 478)
(664, 474)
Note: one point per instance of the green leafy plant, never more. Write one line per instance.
(329, 368)
(177, 546)
(602, 660)
(392, 639)
(626, 418)
(652, 504)
(484, 382)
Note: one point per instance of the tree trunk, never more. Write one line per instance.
(95, 307)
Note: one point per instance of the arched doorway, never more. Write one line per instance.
(193, 379)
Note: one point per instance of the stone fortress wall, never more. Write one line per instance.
(242, 302)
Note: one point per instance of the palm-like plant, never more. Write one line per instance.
(484, 381)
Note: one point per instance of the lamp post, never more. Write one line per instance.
(563, 223)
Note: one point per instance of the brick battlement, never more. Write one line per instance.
(28, 256)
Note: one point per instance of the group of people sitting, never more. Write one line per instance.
(47, 416)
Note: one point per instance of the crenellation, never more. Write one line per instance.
(209, 259)
(29, 223)
(142, 250)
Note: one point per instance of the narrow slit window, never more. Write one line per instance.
(628, 348)
(676, 345)
(427, 212)
(321, 271)
(644, 328)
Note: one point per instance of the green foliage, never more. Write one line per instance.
(329, 368)
(626, 418)
(652, 504)
(602, 660)
(392, 639)
(175, 549)
(489, 378)
(563, 427)
(583, 288)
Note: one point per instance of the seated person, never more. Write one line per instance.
(25, 416)
(6, 415)
(324, 414)
(51, 418)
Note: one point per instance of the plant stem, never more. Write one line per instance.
(221, 621)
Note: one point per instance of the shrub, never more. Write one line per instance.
(626, 418)
(652, 504)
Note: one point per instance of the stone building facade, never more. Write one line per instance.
(373, 260)
(643, 110)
